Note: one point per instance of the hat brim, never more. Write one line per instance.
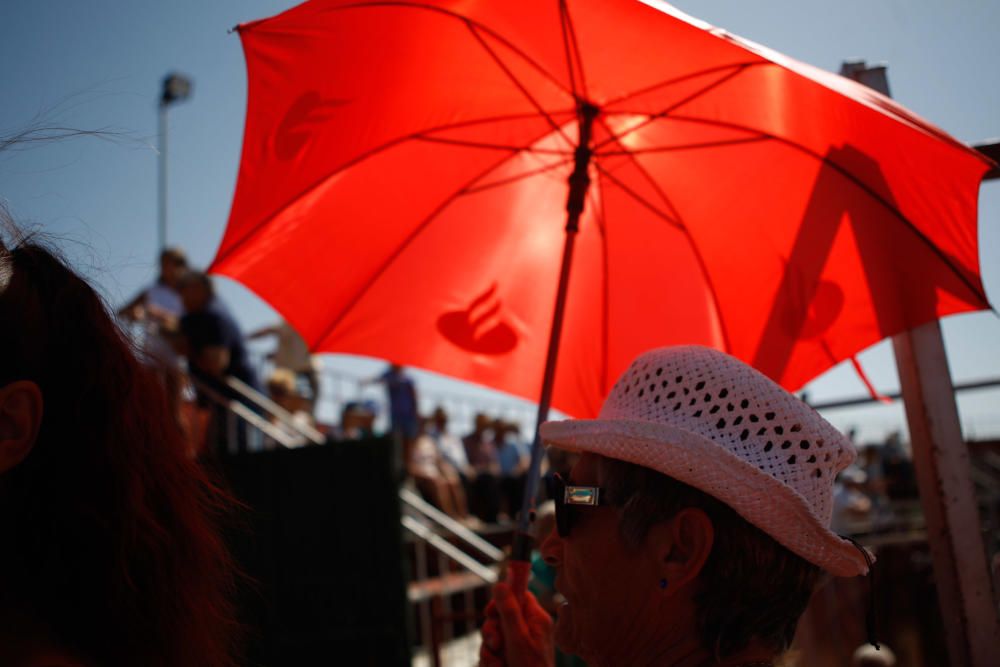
(764, 501)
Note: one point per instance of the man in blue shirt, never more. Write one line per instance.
(402, 402)
(214, 344)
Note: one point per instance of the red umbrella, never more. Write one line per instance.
(404, 178)
(406, 169)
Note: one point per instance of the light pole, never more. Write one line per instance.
(176, 88)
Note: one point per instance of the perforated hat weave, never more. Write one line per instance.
(709, 420)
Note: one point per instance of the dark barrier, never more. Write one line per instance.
(321, 544)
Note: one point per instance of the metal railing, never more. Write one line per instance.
(432, 596)
(416, 503)
(432, 528)
(274, 410)
(235, 410)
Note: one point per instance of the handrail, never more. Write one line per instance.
(246, 414)
(484, 572)
(274, 409)
(895, 395)
(412, 500)
(454, 527)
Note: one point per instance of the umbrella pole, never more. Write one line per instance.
(579, 181)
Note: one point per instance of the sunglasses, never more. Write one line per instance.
(568, 498)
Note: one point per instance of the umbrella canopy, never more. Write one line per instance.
(403, 186)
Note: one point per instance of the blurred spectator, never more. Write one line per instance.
(292, 353)
(435, 478)
(159, 307)
(449, 445)
(480, 446)
(215, 349)
(852, 508)
(513, 463)
(900, 479)
(484, 485)
(403, 418)
(357, 421)
(283, 390)
(213, 341)
(870, 460)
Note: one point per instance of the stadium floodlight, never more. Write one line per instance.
(176, 88)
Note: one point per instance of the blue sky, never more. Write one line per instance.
(98, 64)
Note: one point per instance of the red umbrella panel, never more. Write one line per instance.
(403, 185)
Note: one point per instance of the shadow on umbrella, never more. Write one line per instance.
(895, 266)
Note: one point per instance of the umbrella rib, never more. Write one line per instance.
(662, 114)
(362, 157)
(483, 144)
(519, 177)
(678, 79)
(649, 178)
(865, 188)
(517, 83)
(405, 244)
(601, 213)
(694, 249)
(711, 290)
(469, 22)
(685, 147)
(571, 45)
(639, 198)
(565, 40)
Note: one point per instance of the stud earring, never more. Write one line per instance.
(663, 583)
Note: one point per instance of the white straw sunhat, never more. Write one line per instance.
(709, 420)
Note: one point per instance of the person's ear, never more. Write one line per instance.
(20, 421)
(682, 545)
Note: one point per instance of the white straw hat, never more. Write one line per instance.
(709, 420)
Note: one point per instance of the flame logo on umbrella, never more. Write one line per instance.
(307, 113)
(479, 328)
(815, 311)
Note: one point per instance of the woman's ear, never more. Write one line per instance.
(20, 420)
(682, 545)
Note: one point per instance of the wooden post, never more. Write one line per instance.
(941, 463)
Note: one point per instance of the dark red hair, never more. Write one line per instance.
(109, 531)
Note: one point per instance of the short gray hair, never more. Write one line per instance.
(751, 587)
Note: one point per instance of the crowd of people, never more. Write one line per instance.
(661, 549)
(877, 493)
(479, 477)
(189, 334)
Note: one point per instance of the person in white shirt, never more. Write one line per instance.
(292, 353)
(158, 309)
